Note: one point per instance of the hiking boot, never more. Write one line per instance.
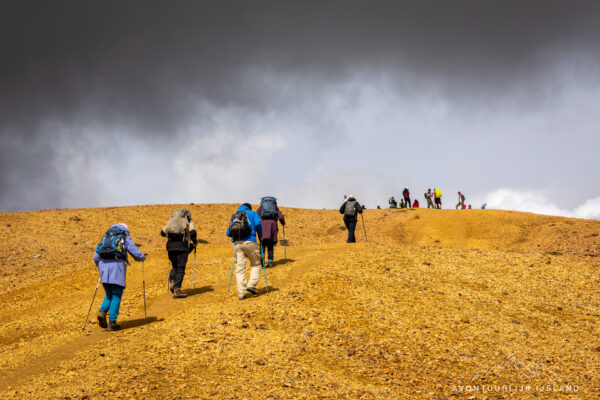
(177, 294)
(113, 326)
(171, 286)
(102, 319)
(252, 290)
(270, 265)
(241, 296)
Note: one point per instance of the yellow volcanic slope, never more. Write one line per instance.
(434, 302)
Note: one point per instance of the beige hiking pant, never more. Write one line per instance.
(246, 251)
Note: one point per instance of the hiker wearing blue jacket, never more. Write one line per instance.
(244, 227)
(112, 275)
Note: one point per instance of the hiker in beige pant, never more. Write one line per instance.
(246, 251)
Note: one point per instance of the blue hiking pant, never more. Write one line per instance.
(112, 301)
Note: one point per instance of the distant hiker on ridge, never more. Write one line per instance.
(406, 194)
(350, 207)
(461, 201)
(111, 259)
(243, 228)
(269, 215)
(429, 198)
(416, 204)
(437, 193)
(180, 231)
(392, 202)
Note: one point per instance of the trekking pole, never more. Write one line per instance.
(194, 270)
(262, 257)
(364, 229)
(92, 303)
(231, 276)
(144, 289)
(284, 245)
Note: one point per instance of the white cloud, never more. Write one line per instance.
(536, 201)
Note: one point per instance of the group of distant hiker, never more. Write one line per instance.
(245, 226)
(433, 198)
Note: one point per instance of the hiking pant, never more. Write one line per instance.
(243, 251)
(112, 301)
(350, 223)
(460, 205)
(407, 201)
(178, 260)
(430, 203)
(268, 246)
(438, 203)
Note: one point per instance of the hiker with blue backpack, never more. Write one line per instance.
(244, 227)
(111, 259)
(269, 214)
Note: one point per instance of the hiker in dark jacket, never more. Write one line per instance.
(180, 231)
(112, 275)
(350, 208)
(269, 231)
(406, 195)
(246, 248)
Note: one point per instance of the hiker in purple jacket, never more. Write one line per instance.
(112, 275)
(270, 230)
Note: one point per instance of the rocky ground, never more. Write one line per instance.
(473, 304)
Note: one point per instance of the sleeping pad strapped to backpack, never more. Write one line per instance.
(268, 208)
(112, 246)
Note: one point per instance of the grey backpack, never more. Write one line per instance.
(350, 210)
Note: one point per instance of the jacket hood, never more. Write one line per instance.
(243, 208)
(121, 226)
(350, 198)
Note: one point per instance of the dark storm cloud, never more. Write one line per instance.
(141, 67)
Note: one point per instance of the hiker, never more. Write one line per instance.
(469, 207)
(269, 214)
(350, 207)
(416, 204)
(392, 202)
(483, 206)
(243, 228)
(461, 201)
(402, 203)
(437, 194)
(111, 259)
(180, 232)
(406, 195)
(429, 198)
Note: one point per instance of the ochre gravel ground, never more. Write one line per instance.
(473, 304)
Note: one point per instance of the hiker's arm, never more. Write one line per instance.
(256, 222)
(359, 208)
(281, 217)
(96, 258)
(193, 234)
(228, 232)
(162, 233)
(343, 208)
(133, 249)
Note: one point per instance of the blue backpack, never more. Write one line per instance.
(112, 246)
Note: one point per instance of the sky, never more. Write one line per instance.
(147, 102)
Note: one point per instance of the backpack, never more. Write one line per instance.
(438, 193)
(350, 210)
(462, 197)
(268, 208)
(239, 227)
(178, 223)
(112, 245)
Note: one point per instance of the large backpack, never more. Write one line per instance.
(178, 224)
(268, 208)
(239, 227)
(438, 193)
(350, 210)
(112, 245)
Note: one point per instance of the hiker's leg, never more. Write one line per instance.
(115, 302)
(173, 260)
(270, 249)
(240, 267)
(182, 258)
(252, 250)
(106, 303)
(351, 228)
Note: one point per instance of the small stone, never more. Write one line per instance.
(351, 352)
(516, 321)
(426, 263)
(559, 308)
(598, 348)
(102, 354)
(36, 256)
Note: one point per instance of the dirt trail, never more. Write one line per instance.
(163, 306)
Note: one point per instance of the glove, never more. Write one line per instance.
(162, 233)
(195, 242)
(193, 235)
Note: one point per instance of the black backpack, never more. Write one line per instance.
(239, 227)
(112, 246)
(268, 208)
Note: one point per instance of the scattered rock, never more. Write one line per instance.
(36, 256)
(426, 263)
(75, 219)
(516, 321)
(351, 352)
